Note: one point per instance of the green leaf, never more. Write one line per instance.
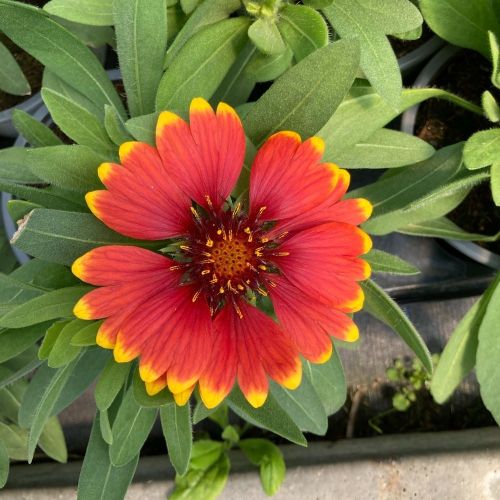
(130, 430)
(44, 274)
(105, 425)
(143, 128)
(317, 4)
(264, 68)
(269, 416)
(462, 22)
(189, 5)
(205, 484)
(383, 262)
(19, 208)
(76, 122)
(50, 339)
(303, 29)
(114, 126)
(364, 112)
(4, 465)
(270, 459)
(490, 106)
(40, 399)
(36, 133)
(141, 36)
(329, 382)
(29, 364)
(13, 167)
(14, 342)
(12, 79)
(459, 355)
(488, 372)
(69, 167)
(482, 149)
(86, 336)
(92, 36)
(444, 228)
(99, 478)
(110, 383)
(62, 237)
(393, 17)
(62, 351)
(420, 192)
(201, 412)
(52, 441)
(495, 185)
(205, 453)
(201, 64)
(238, 84)
(59, 50)
(88, 367)
(176, 426)
(142, 398)
(385, 149)
(382, 307)
(303, 405)
(266, 36)
(304, 97)
(206, 14)
(14, 440)
(92, 12)
(52, 305)
(352, 21)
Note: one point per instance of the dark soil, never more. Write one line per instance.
(403, 47)
(441, 123)
(32, 69)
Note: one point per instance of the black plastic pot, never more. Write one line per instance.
(408, 123)
(411, 61)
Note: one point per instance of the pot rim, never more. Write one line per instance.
(408, 119)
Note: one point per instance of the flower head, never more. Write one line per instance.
(190, 312)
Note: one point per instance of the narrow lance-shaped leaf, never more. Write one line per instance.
(459, 355)
(12, 79)
(36, 133)
(201, 64)
(382, 307)
(383, 262)
(99, 478)
(488, 372)
(304, 98)
(141, 37)
(130, 430)
(176, 425)
(92, 12)
(59, 50)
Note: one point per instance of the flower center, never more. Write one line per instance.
(227, 254)
(231, 258)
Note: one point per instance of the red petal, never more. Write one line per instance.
(287, 178)
(117, 264)
(255, 345)
(141, 200)
(180, 336)
(205, 158)
(322, 262)
(308, 322)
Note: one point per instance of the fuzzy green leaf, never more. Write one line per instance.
(383, 262)
(92, 12)
(176, 426)
(201, 64)
(385, 149)
(36, 133)
(62, 351)
(110, 383)
(130, 430)
(15, 341)
(459, 355)
(303, 29)
(490, 106)
(265, 35)
(269, 416)
(99, 478)
(382, 307)
(482, 149)
(59, 50)
(488, 351)
(495, 183)
(304, 97)
(114, 126)
(12, 79)
(4, 465)
(141, 36)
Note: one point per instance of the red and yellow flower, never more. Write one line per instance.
(190, 313)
